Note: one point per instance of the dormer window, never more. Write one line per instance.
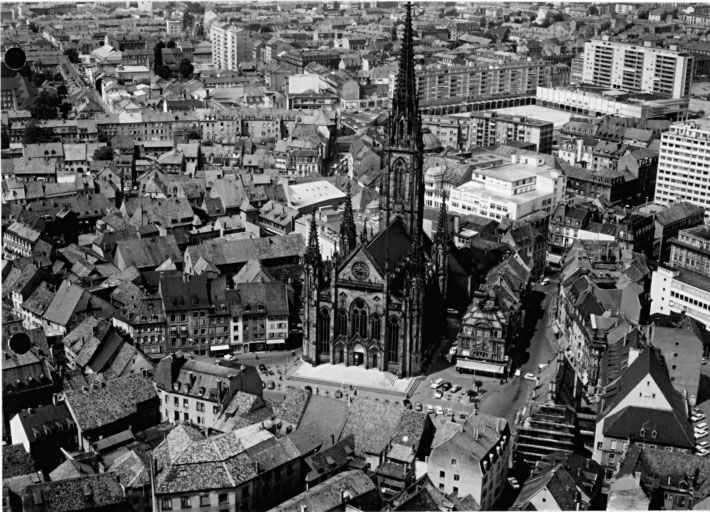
(654, 434)
(643, 432)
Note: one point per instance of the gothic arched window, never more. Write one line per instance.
(399, 170)
(323, 331)
(375, 326)
(358, 317)
(393, 333)
(341, 323)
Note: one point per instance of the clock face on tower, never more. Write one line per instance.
(361, 270)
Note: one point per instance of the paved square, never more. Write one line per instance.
(355, 375)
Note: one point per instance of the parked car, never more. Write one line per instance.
(529, 376)
(517, 372)
(450, 412)
(700, 434)
(446, 386)
(703, 426)
(456, 389)
(705, 361)
(338, 393)
(545, 281)
(462, 416)
(702, 452)
(438, 394)
(514, 483)
(439, 410)
(697, 417)
(429, 409)
(437, 383)
(418, 407)
(703, 444)
(407, 403)
(262, 368)
(272, 384)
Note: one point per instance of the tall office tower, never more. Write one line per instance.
(684, 165)
(230, 46)
(634, 68)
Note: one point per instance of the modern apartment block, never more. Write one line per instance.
(691, 250)
(492, 128)
(230, 46)
(684, 165)
(630, 67)
(457, 83)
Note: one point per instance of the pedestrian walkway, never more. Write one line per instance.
(358, 376)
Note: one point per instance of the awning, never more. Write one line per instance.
(274, 342)
(215, 348)
(479, 366)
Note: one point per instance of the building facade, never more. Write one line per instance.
(634, 68)
(682, 165)
(492, 129)
(230, 46)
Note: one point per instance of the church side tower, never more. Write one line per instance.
(312, 281)
(402, 190)
(348, 232)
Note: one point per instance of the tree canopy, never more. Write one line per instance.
(72, 55)
(103, 153)
(186, 68)
(35, 134)
(45, 106)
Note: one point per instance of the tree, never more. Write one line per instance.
(200, 31)
(35, 134)
(72, 55)
(26, 71)
(33, 27)
(65, 108)
(158, 56)
(186, 68)
(45, 106)
(163, 72)
(171, 44)
(57, 77)
(594, 10)
(558, 17)
(478, 384)
(62, 91)
(103, 153)
(186, 20)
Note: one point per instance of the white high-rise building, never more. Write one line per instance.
(635, 68)
(684, 165)
(230, 46)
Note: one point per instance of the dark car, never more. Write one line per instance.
(418, 407)
(407, 403)
(446, 386)
(272, 384)
(262, 368)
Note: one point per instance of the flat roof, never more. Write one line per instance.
(693, 279)
(558, 118)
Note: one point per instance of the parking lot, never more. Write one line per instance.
(700, 430)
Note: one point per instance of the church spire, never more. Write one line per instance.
(405, 118)
(348, 233)
(312, 256)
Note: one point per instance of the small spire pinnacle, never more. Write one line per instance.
(442, 231)
(313, 255)
(348, 232)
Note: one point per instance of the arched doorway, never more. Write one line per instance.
(374, 353)
(339, 354)
(358, 355)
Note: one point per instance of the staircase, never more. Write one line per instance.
(390, 378)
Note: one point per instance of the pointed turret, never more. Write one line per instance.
(312, 256)
(440, 249)
(363, 234)
(348, 232)
(442, 231)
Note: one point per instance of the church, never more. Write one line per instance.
(380, 302)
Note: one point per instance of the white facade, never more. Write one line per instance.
(230, 46)
(634, 68)
(684, 165)
(678, 290)
(510, 191)
(173, 27)
(176, 407)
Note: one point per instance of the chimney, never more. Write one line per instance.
(304, 508)
(256, 466)
(332, 439)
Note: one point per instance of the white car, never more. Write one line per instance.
(545, 281)
(514, 482)
(701, 451)
(697, 417)
(703, 444)
(529, 376)
(439, 410)
(429, 409)
(456, 389)
(437, 383)
(517, 372)
(700, 434)
(702, 426)
(438, 394)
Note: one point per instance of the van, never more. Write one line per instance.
(437, 383)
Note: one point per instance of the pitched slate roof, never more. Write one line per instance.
(148, 252)
(16, 461)
(373, 423)
(327, 495)
(108, 402)
(75, 494)
(229, 252)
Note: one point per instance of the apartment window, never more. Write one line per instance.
(456, 478)
(456, 489)
(453, 462)
(185, 502)
(200, 407)
(442, 474)
(599, 445)
(185, 403)
(441, 487)
(215, 410)
(223, 499)
(166, 504)
(177, 416)
(204, 500)
(176, 401)
(187, 417)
